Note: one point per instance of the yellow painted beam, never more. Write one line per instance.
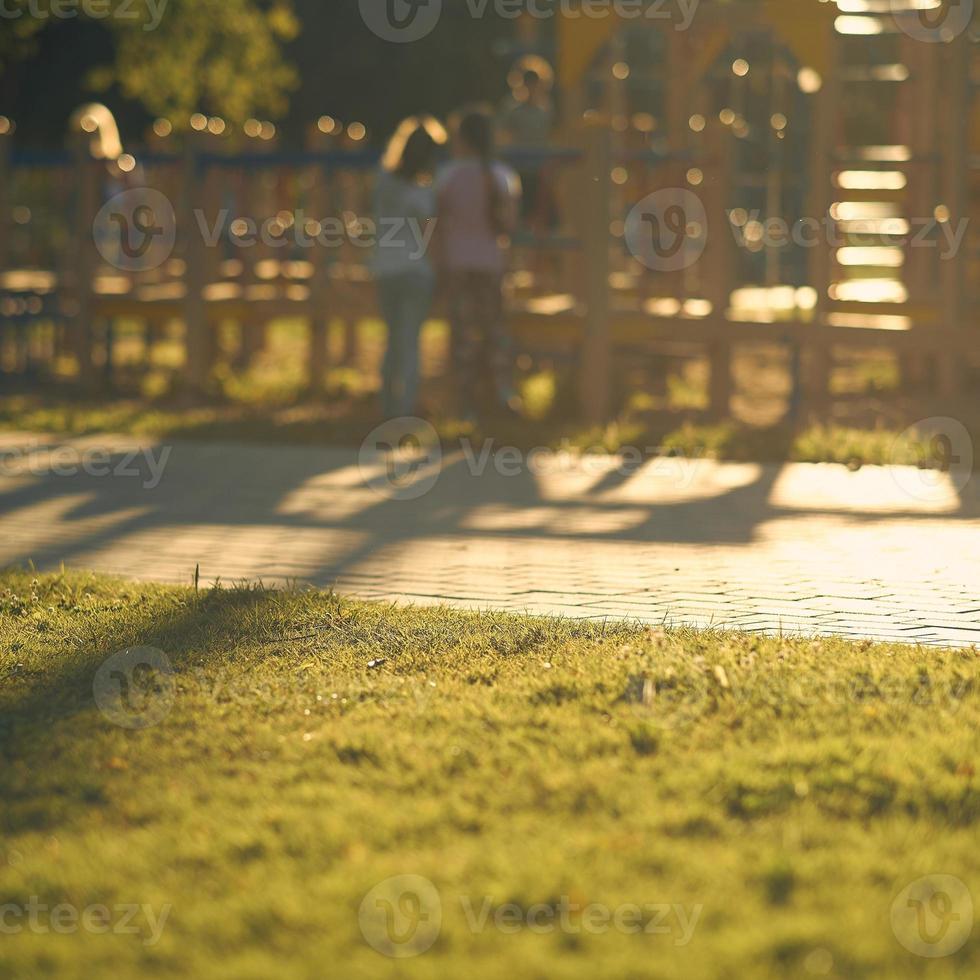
(580, 39)
(807, 29)
(805, 26)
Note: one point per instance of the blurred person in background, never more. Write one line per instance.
(527, 122)
(528, 116)
(478, 203)
(404, 207)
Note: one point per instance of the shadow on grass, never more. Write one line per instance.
(36, 706)
(344, 420)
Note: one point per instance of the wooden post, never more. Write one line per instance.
(955, 199)
(823, 140)
(260, 205)
(319, 321)
(923, 132)
(211, 199)
(718, 265)
(595, 365)
(5, 177)
(108, 325)
(924, 136)
(680, 82)
(6, 128)
(80, 306)
(197, 341)
(350, 196)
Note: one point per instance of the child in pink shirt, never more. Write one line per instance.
(478, 203)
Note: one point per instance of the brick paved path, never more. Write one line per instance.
(884, 553)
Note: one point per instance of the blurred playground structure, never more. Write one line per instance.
(795, 173)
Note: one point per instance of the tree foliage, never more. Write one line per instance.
(17, 33)
(177, 57)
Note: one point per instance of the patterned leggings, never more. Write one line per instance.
(481, 340)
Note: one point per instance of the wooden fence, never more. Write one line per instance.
(586, 288)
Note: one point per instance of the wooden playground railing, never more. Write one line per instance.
(575, 290)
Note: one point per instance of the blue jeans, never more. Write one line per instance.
(405, 302)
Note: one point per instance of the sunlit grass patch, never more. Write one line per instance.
(765, 800)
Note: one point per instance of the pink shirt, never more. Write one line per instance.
(468, 237)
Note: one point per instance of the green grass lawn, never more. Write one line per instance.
(268, 402)
(347, 424)
(742, 807)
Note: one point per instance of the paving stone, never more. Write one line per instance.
(792, 549)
